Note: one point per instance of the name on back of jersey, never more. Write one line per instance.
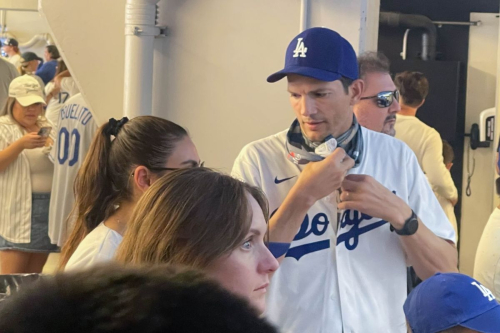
(77, 112)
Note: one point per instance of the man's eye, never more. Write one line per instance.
(320, 95)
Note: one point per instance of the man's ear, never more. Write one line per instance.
(356, 90)
(142, 178)
(423, 101)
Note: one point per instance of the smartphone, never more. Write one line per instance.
(44, 131)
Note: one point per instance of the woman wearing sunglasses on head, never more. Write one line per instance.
(205, 220)
(125, 158)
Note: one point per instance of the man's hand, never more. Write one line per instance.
(366, 195)
(316, 181)
(319, 179)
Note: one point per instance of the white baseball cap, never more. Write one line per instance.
(26, 90)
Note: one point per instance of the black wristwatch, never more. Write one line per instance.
(410, 227)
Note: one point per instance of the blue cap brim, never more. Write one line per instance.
(318, 74)
(486, 322)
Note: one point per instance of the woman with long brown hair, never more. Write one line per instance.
(124, 159)
(208, 221)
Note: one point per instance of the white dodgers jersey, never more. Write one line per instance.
(68, 89)
(74, 135)
(347, 276)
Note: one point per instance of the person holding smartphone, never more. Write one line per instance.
(25, 179)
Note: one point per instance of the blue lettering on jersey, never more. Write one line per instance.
(354, 218)
(298, 252)
(77, 112)
(318, 226)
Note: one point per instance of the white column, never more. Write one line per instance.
(140, 31)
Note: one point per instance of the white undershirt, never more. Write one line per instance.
(41, 170)
(98, 246)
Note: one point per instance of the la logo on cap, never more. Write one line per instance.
(486, 292)
(300, 49)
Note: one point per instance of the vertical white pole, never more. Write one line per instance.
(140, 31)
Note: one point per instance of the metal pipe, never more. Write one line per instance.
(471, 23)
(405, 43)
(414, 22)
(34, 40)
(140, 32)
(3, 20)
(304, 15)
(425, 46)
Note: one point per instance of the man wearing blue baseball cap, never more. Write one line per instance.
(452, 302)
(343, 253)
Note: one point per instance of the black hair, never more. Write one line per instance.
(413, 87)
(116, 299)
(346, 83)
(53, 51)
(373, 62)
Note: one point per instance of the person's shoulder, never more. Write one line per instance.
(76, 99)
(385, 145)
(420, 125)
(100, 244)
(269, 145)
(7, 121)
(9, 67)
(377, 138)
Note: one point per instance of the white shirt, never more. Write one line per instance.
(74, 136)
(15, 60)
(98, 246)
(355, 282)
(15, 186)
(68, 89)
(487, 264)
(449, 210)
(41, 170)
(427, 145)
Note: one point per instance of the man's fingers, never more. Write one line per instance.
(349, 185)
(338, 155)
(348, 163)
(352, 205)
(356, 178)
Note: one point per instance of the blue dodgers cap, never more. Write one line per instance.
(451, 299)
(319, 53)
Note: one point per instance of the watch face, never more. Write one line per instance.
(412, 226)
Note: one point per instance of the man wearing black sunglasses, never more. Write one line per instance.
(379, 102)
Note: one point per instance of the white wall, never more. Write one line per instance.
(90, 37)
(481, 92)
(210, 70)
(24, 25)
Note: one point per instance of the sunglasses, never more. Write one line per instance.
(385, 98)
(200, 165)
(173, 169)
